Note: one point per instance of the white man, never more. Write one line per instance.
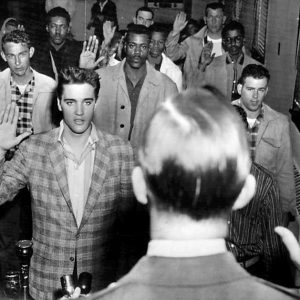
(194, 170)
(269, 133)
(144, 16)
(209, 37)
(158, 59)
(80, 187)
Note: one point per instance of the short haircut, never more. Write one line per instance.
(144, 8)
(58, 12)
(194, 155)
(16, 36)
(214, 6)
(233, 25)
(137, 29)
(255, 71)
(74, 75)
(158, 28)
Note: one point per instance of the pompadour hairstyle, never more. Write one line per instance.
(195, 156)
(214, 6)
(137, 29)
(58, 12)
(16, 36)
(233, 25)
(74, 75)
(255, 71)
(144, 8)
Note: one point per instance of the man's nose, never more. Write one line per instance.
(17, 60)
(255, 94)
(79, 109)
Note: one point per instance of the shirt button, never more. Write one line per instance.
(122, 125)
(232, 245)
(72, 258)
(122, 106)
(228, 222)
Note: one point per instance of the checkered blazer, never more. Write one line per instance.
(39, 163)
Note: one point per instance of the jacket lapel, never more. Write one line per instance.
(98, 177)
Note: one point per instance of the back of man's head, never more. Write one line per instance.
(214, 6)
(255, 71)
(16, 36)
(58, 12)
(194, 156)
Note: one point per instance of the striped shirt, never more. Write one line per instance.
(251, 229)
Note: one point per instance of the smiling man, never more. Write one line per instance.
(80, 185)
(59, 50)
(269, 133)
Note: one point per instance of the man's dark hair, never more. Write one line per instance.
(255, 71)
(233, 25)
(194, 156)
(16, 36)
(158, 28)
(58, 12)
(144, 8)
(74, 75)
(137, 29)
(214, 6)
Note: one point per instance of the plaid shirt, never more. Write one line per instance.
(25, 104)
(252, 133)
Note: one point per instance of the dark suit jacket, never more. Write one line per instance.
(208, 278)
(39, 163)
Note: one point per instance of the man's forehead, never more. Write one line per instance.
(58, 21)
(138, 38)
(256, 82)
(157, 35)
(233, 33)
(215, 12)
(145, 15)
(11, 46)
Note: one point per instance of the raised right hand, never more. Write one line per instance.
(180, 22)
(8, 127)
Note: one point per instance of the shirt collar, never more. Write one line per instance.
(31, 81)
(186, 248)
(92, 140)
(239, 61)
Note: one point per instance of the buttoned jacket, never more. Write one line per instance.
(274, 152)
(113, 108)
(43, 99)
(39, 163)
(204, 277)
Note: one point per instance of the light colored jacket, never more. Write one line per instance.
(274, 152)
(113, 109)
(172, 71)
(43, 99)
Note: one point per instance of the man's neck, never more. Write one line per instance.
(235, 58)
(56, 47)
(251, 114)
(214, 35)
(154, 60)
(135, 74)
(22, 80)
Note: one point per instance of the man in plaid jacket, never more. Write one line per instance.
(80, 184)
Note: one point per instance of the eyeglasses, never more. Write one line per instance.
(235, 40)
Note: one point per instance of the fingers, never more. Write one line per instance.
(99, 59)
(76, 293)
(291, 244)
(84, 46)
(9, 113)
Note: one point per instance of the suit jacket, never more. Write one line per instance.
(43, 99)
(172, 71)
(39, 163)
(113, 109)
(274, 152)
(207, 277)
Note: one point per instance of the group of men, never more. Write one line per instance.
(192, 150)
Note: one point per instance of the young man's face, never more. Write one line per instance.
(214, 20)
(58, 29)
(157, 44)
(136, 50)
(77, 105)
(18, 57)
(233, 42)
(144, 18)
(253, 92)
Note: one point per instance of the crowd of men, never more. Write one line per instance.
(130, 160)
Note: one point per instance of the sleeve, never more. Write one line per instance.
(13, 175)
(274, 256)
(285, 173)
(174, 49)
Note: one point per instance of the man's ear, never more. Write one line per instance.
(239, 88)
(139, 185)
(3, 56)
(47, 28)
(205, 20)
(246, 193)
(69, 27)
(224, 19)
(31, 51)
(59, 105)
(134, 20)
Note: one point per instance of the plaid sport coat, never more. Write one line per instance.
(39, 163)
